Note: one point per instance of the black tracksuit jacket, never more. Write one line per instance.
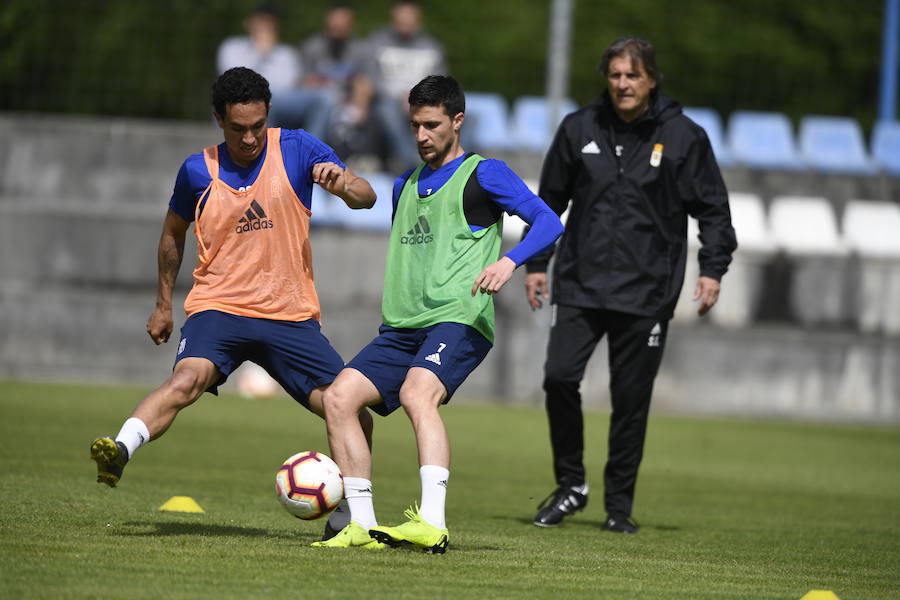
(625, 242)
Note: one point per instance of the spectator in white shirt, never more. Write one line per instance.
(292, 105)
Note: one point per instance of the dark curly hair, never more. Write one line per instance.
(239, 86)
(439, 90)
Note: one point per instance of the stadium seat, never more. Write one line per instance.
(805, 228)
(743, 288)
(709, 120)
(686, 309)
(763, 140)
(886, 146)
(805, 225)
(873, 228)
(870, 229)
(532, 128)
(834, 145)
(487, 124)
(748, 216)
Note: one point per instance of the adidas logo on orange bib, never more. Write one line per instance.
(254, 219)
(420, 234)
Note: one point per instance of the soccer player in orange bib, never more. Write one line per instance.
(253, 296)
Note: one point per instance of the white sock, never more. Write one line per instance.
(434, 494)
(581, 489)
(358, 492)
(340, 516)
(133, 434)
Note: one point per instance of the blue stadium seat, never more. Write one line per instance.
(763, 140)
(532, 129)
(487, 124)
(834, 145)
(886, 146)
(709, 120)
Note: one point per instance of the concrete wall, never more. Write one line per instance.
(81, 206)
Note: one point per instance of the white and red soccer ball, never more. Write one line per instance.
(309, 485)
(254, 382)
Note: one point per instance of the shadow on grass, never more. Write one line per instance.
(662, 527)
(581, 523)
(455, 548)
(172, 528)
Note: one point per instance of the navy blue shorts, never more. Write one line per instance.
(295, 354)
(449, 350)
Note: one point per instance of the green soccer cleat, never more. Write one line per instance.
(351, 536)
(416, 532)
(111, 457)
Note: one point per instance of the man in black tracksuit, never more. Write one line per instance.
(634, 168)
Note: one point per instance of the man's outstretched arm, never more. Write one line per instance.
(355, 191)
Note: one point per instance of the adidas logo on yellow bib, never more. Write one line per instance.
(420, 234)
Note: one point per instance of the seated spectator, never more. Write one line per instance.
(334, 61)
(401, 56)
(292, 106)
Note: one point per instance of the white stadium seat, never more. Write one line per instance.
(743, 285)
(872, 230)
(805, 228)
(805, 225)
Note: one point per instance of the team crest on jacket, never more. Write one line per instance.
(656, 155)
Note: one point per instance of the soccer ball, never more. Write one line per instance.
(309, 485)
(254, 382)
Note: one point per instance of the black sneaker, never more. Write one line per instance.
(564, 501)
(620, 524)
(111, 457)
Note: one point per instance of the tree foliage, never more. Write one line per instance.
(155, 58)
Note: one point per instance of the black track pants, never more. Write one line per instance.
(635, 351)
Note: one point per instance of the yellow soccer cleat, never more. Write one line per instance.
(351, 536)
(415, 532)
(111, 457)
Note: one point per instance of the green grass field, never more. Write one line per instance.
(728, 508)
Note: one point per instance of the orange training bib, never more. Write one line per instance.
(253, 245)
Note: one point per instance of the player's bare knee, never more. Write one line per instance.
(339, 403)
(184, 386)
(416, 403)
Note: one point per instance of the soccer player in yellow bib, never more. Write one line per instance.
(437, 311)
